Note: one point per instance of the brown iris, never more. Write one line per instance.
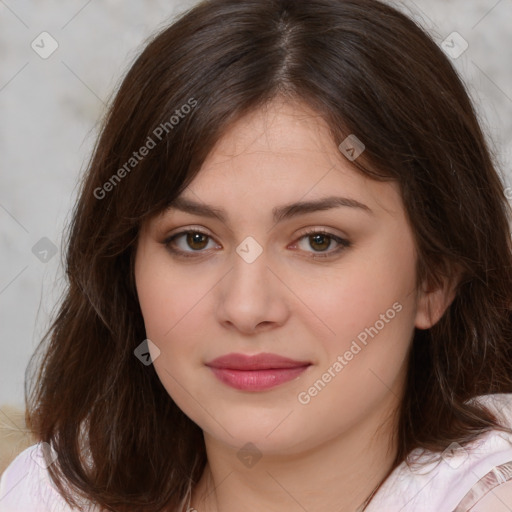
(315, 238)
(197, 238)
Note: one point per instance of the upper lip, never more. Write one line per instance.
(263, 361)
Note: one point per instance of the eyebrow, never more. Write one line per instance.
(279, 213)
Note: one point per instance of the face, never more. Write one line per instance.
(330, 288)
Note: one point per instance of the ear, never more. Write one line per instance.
(432, 302)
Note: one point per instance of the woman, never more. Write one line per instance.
(290, 280)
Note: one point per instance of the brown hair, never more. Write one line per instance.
(367, 70)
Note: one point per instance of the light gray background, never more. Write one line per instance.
(50, 109)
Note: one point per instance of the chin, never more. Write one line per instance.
(269, 434)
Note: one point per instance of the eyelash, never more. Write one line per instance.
(344, 244)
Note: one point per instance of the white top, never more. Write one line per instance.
(455, 484)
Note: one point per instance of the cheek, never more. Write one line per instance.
(167, 298)
(169, 303)
(383, 303)
(173, 305)
(361, 288)
(373, 348)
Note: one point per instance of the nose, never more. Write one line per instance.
(251, 298)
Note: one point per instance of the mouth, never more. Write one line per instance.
(258, 372)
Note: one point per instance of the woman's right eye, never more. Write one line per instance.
(192, 239)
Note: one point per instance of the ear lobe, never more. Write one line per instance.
(432, 304)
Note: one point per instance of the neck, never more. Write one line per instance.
(340, 474)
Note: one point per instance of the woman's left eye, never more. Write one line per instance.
(322, 241)
(198, 241)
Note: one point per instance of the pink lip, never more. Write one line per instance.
(256, 373)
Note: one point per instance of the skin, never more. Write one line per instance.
(330, 453)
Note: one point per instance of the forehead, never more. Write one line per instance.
(281, 129)
(282, 153)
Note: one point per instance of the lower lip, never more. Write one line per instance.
(257, 380)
